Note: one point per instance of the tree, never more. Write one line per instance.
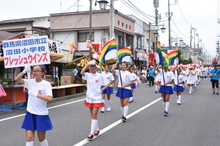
(190, 60)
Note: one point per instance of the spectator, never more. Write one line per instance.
(152, 74)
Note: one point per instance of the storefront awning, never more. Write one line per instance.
(54, 57)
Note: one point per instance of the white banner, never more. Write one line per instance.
(27, 51)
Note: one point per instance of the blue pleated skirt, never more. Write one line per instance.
(166, 89)
(178, 88)
(124, 93)
(36, 122)
(133, 85)
(109, 90)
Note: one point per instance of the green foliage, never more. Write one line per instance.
(182, 60)
(190, 60)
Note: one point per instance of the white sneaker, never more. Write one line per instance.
(108, 109)
(178, 102)
(102, 109)
(189, 92)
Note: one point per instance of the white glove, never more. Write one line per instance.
(32, 93)
(26, 69)
(98, 93)
(91, 63)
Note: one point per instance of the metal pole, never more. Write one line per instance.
(156, 21)
(194, 39)
(149, 46)
(191, 37)
(90, 28)
(111, 27)
(149, 43)
(169, 17)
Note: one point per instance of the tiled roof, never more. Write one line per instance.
(23, 20)
(5, 35)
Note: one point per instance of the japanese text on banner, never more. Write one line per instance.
(31, 51)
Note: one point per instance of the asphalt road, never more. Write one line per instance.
(196, 122)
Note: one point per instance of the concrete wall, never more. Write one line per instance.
(25, 27)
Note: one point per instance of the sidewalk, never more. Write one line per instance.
(7, 107)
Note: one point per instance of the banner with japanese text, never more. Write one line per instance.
(27, 51)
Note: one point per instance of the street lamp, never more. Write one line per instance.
(156, 34)
(176, 44)
(163, 29)
(103, 4)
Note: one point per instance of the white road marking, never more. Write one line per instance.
(83, 142)
(13, 117)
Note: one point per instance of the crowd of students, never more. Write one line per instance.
(166, 80)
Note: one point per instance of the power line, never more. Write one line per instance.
(135, 10)
(140, 10)
(185, 20)
(66, 10)
(178, 29)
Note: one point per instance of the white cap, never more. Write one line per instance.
(91, 62)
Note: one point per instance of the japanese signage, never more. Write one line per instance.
(54, 47)
(20, 52)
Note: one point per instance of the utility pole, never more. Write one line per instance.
(190, 37)
(149, 43)
(194, 38)
(169, 27)
(90, 29)
(111, 27)
(156, 5)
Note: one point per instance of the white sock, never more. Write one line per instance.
(29, 143)
(179, 98)
(93, 126)
(97, 125)
(155, 87)
(109, 103)
(122, 110)
(103, 100)
(190, 89)
(44, 143)
(167, 106)
(125, 111)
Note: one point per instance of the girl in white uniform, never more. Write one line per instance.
(179, 81)
(94, 99)
(165, 87)
(191, 79)
(107, 92)
(36, 118)
(124, 89)
(157, 81)
(133, 86)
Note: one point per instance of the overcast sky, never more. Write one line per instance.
(201, 14)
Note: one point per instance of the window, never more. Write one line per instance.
(118, 22)
(138, 42)
(126, 26)
(83, 36)
(129, 26)
(122, 24)
(120, 42)
(129, 40)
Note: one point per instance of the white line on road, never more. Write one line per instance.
(83, 142)
(13, 117)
